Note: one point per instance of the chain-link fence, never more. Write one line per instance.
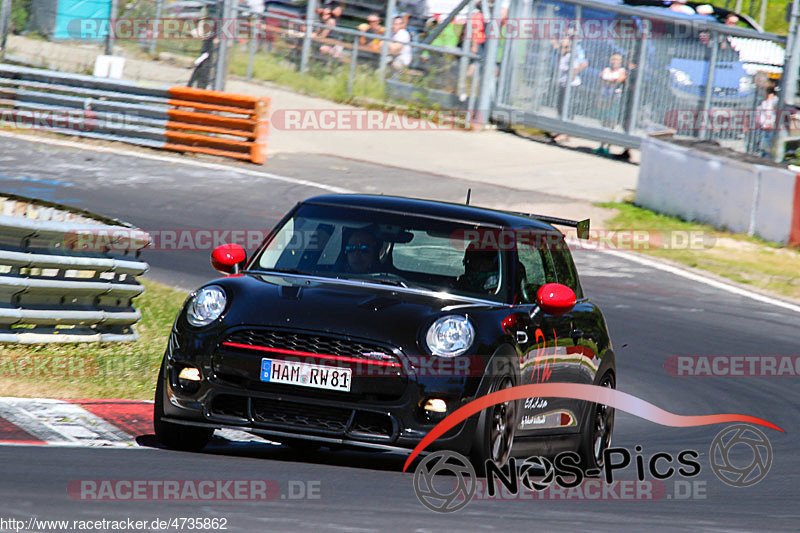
(612, 74)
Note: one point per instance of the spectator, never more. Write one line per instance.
(679, 6)
(329, 20)
(731, 20)
(372, 26)
(400, 51)
(612, 79)
(766, 120)
(568, 60)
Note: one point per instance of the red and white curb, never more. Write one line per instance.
(90, 423)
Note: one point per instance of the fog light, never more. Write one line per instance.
(190, 373)
(189, 379)
(435, 405)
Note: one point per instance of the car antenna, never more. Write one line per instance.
(469, 192)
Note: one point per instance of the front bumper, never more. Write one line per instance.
(384, 413)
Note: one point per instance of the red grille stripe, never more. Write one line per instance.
(309, 354)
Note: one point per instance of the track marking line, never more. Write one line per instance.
(176, 160)
(733, 289)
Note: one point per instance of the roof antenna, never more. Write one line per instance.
(469, 192)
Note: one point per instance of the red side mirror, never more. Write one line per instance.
(228, 258)
(555, 298)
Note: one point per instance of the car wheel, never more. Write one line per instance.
(496, 428)
(596, 434)
(176, 436)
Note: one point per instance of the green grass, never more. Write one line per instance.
(116, 370)
(328, 84)
(761, 264)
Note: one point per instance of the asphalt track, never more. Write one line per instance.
(651, 315)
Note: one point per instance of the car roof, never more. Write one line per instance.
(459, 212)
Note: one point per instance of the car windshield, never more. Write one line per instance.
(386, 248)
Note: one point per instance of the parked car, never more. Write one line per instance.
(365, 320)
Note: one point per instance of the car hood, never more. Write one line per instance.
(359, 310)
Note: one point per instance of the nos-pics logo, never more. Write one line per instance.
(445, 481)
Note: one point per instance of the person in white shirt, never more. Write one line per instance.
(400, 51)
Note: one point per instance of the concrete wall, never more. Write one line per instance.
(697, 186)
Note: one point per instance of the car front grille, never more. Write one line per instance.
(281, 414)
(312, 343)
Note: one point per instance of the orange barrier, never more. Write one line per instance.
(215, 122)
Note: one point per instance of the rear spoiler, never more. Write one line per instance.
(582, 226)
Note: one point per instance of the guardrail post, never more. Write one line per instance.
(391, 6)
(633, 109)
(353, 62)
(488, 80)
(311, 13)
(574, 41)
(712, 65)
(5, 17)
(159, 8)
(112, 20)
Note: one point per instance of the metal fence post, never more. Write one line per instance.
(221, 72)
(633, 109)
(574, 41)
(463, 62)
(311, 11)
(5, 17)
(391, 6)
(712, 65)
(112, 20)
(353, 62)
(159, 8)
(253, 47)
(788, 85)
(488, 80)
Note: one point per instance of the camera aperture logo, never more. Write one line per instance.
(725, 461)
(466, 481)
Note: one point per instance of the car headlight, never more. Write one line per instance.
(450, 336)
(681, 78)
(206, 306)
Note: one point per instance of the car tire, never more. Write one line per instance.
(176, 436)
(494, 436)
(596, 434)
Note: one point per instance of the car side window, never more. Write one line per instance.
(565, 269)
(536, 270)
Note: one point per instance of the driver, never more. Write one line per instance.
(481, 270)
(361, 251)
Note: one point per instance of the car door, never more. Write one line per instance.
(554, 351)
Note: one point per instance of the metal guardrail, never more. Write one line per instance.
(178, 118)
(60, 281)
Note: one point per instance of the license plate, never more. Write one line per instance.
(306, 375)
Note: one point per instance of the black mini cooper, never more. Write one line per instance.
(365, 320)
